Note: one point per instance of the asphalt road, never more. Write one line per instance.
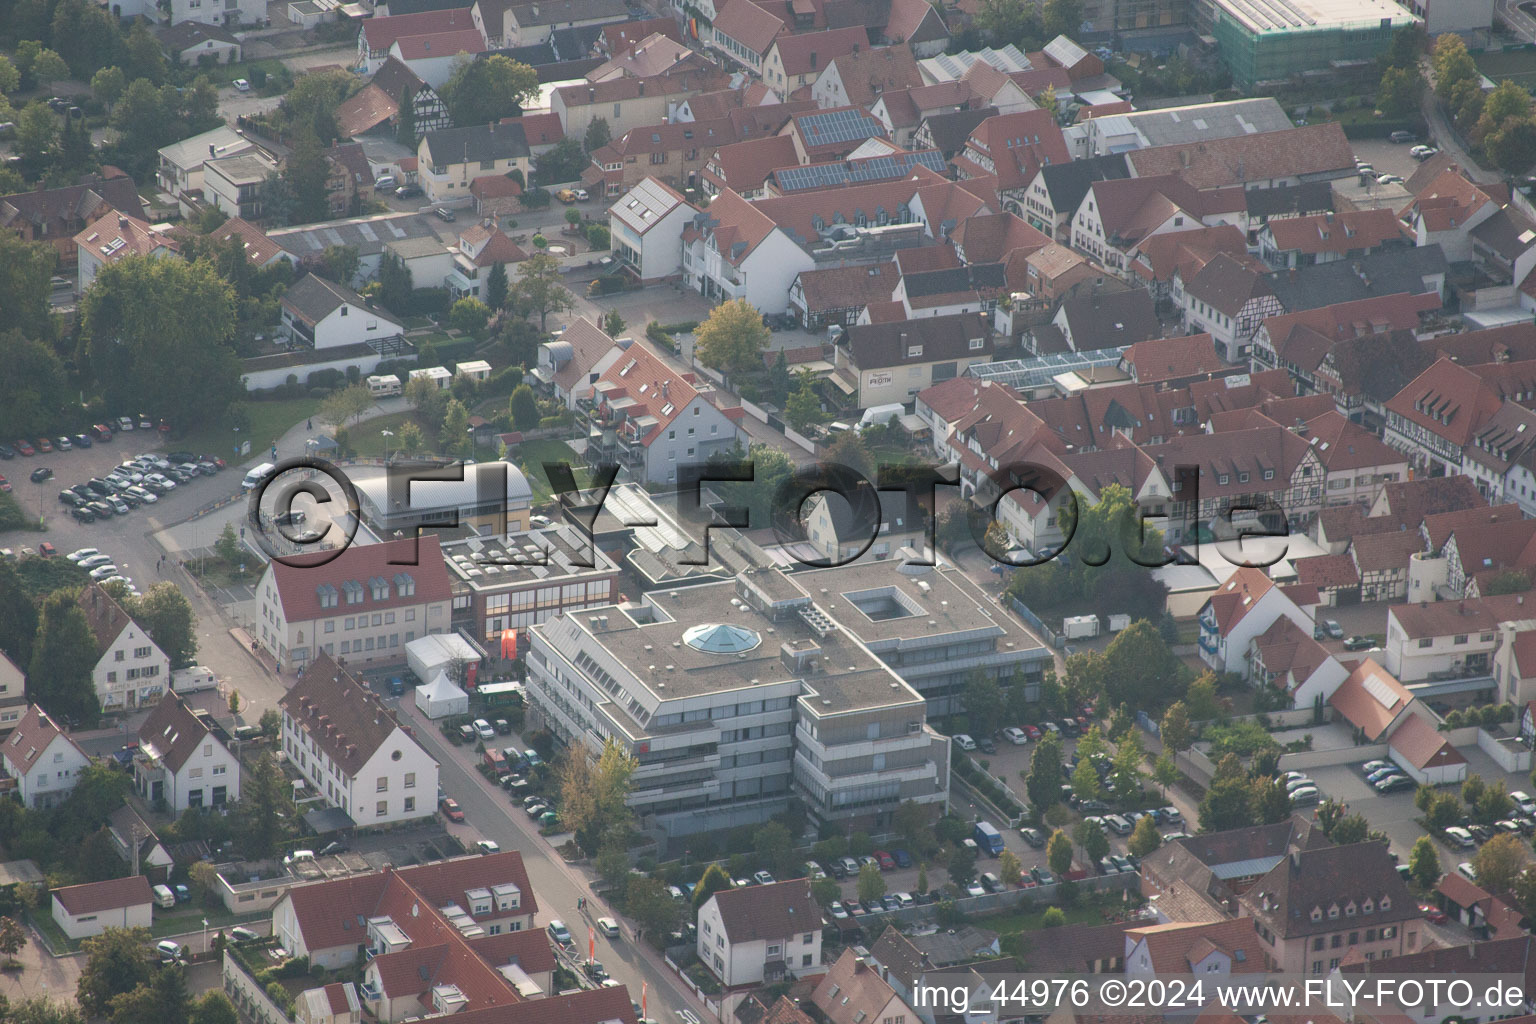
(556, 885)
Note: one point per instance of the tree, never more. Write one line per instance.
(1090, 836)
(598, 135)
(266, 807)
(1507, 100)
(1443, 811)
(227, 546)
(525, 408)
(1165, 772)
(599, 237)
(214, 1008)
(456, 427)
(871, 883)
(10, 78)
(1009, 21)
(200, 105)
(1472, 789)
(1125, 773)
(1513, 145)
(1228, 804)
(306, 174)
(1494, 803)
(48, 68)
(594, 794)
(1139, 668)
(117, 962)
(774, 844)
(37, 131)
(166, 615)
(469, 315)
(1009, 868)
(1452, 64)
(983, 700)
(733, 338)
(18, 615)
(159, 333)
(1424, 863)
(1175, 730)
(1200, 698)
(911, 822)
(1044, 782)
(344, 406)
(1498, 862)
(496, 286)
(1271, 801)
(653, 908)
(395, 284)
(143, 57)
(275, 199)
(1062, 17)
(961, 868)
(409, 438)
(12, 938)
(1398, 93)
(234, 702)
(712, 881)
(1144, 838)
(1053, 917)
(204, 878)
(1058, 852)
(538, 290)
(803, 407)
(405, 130)
(613, 323)
(63, 656)
(484, 91)
(1085, 781)
(107, 85)
(340, 263)
(1351, 829)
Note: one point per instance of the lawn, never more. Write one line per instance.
(368, 441)
(1020, 930)
(1518, 65)
(531, 456)
(268, 422)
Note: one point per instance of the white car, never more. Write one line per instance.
(581, 195)
(1013, 734)
(1422, 152)
(1389, 179)
(1523, 801)
(93, 560)
(1467, 871)
(145, 495)
(101, 572)
(242, 85)
(76, 556)
(1461, 837)
(485, 729)
(964, 742)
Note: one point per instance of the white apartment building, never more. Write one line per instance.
(761, 933)
(183, 759)
(362, 607)
(131, 671)
(44, 761)
(350, 748)
(733, 696)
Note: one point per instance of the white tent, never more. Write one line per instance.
(440, 698)
(428, 655)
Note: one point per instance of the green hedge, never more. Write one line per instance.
(655, 332)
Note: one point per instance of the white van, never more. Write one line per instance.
(383, 387)
(257, 475)
(298, 856)
(164, 898)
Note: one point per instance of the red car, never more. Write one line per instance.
(1032, 731)
(24, 448)
(47, 550)
(213, 459)
(1432, 913)
(102, 431)
(451, 809)
(5, 484)
(887, 862)
(44, 445)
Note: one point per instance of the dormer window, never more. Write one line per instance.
(1317, 914)
(327, 594)
(1367, 907)
(1333, 912)
(1349, 911)
(405, 585)
(1385, 904)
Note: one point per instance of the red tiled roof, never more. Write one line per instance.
(813, 51)
(749, 25)
(1342, 445)
(33, 734)
(868, 73)
(1327, 571)
(619, 38)
(438, 44)
(657, 390)
(1213, 163)
(371, 106)
(1448, 400)
(297, 583)
(1169, 358)
(1356, 699)
(1018, 145)
(1336, 233)
(1236, 597)
(381, 33)
(1157, 258)
(744, 166)
(1423, 745)
(95, 897)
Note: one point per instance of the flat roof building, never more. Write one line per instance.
(735, 696)
(1272, 40)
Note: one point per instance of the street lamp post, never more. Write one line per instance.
(205, 935)
(386, 434)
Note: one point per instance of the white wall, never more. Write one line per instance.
(87, 925)
(151, 671)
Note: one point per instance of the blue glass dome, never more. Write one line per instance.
(721, 638)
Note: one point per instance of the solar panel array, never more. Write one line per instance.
(879, 168)
(1028, 374)
(838, 126)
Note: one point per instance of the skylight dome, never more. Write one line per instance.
(721, 638)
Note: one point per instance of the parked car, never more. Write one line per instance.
(975, 888)
(1467, 871)
(885, 860)
(46, 550)
(1371, 767)
(566, 195)
(902, 858)
(82, 514)
(763, 877)
(451, 809)
(24, 448)
(408, 192)
(1422, 152)
(1107, 867)
(82, 440)
(1482, 833)
(1042, 876)
(1432, 913)
(7, 452)
(964, 742)
(1383, 773)
(484, 729)
(1306, 796)
(986, 746)
(1033, 837)
(1523, 802)
(43, 445)
(1393, 783)
(1402, 137)
(443, 213)
(1301, 783)
(1359, 643)
(560, 933)
(1460, 837)
(1118, 825)
(1171, 815)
